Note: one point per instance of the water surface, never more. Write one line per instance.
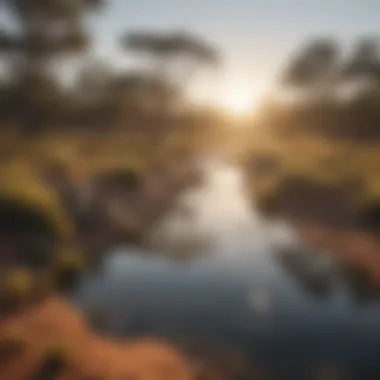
(240, 289)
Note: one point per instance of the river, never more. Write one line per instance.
(237, 289)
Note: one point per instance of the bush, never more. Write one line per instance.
(68, 270)
(27, 195)
(45, 285)
(54, 360)
(32, 217)
(28, 228)
(16, 290)
(17, 283)
(56, 354)
(70, 259)
(118, 181)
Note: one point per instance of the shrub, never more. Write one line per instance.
(55, 356)
(56, 352)
(30, 195)
(16, 290)
(68, 270)
(17, 283)
(45, 285)
(118, 180)
(70, 259)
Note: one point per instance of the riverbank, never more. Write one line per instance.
(86, 194)
(350, 246)
(328, 190)
(55, 325)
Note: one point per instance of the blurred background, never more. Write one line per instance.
(189, 190)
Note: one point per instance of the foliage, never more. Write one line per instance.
(56, 353)
(329, 135)
(170, 45)
(17, 284)
(175, 56)
(70, 259)
(26, 191)
(336, 92)
(67, 270)
(54, 360)
(314, 65)
(320, 62)
(47, 30)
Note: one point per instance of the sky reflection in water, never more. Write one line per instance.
(239, 288)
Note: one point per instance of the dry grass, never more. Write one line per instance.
(321, 160)
(55, 324)
(340, 164)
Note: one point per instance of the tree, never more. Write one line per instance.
(364, 64)
(143, 91)
(319, 70)
(46, 30)
(94, 80)
(166, 50)
(363, 67)
(315, 69)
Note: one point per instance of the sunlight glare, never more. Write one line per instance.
(239, 101)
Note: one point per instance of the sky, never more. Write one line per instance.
(253, 36)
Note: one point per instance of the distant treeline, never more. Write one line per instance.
(34, 94)
(329, 91)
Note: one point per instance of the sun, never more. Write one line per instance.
(238, 102)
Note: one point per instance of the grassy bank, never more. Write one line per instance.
(328, 189)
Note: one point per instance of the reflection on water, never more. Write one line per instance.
(363, 290)
(254, 285)
(314, 273)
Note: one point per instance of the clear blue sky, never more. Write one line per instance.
(254, 36)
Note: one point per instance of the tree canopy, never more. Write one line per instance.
(322, 64)
(43, 31)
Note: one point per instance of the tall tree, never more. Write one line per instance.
(364, 64)
(176, 56)
(167, 48)
(315, 69)
(94, 80)
(45, 30)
